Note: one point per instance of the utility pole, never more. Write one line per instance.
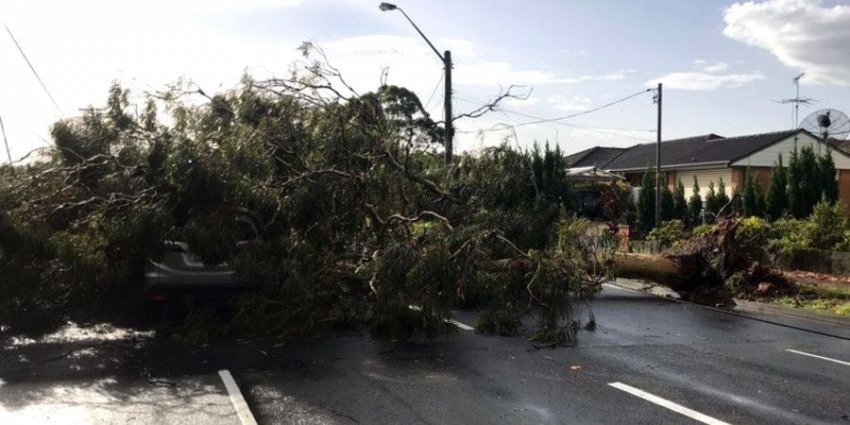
(5, 141)
(658, 161)
(446, 58)
(447, 104)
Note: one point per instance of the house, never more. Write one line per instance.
(594, 157)
(712, 157)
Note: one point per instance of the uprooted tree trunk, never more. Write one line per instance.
(710, 269)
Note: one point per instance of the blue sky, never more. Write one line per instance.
(722, 62)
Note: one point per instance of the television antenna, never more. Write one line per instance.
(797, 100)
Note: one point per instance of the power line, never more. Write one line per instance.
(538, 120)
(557, 120)
(433, 92)
(32, 68)
(5, 141)
(506, 126)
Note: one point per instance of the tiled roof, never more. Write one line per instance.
(709, 148)
(593, 157)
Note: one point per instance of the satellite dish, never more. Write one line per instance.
(828, 124)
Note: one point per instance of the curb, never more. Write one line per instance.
(750, 310)
(798, 313)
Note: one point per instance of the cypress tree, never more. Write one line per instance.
(810, 180)
(668, 204)
(646, 201)
(711, 206)
(695, 206)
(828, 183)
(680, 204)
(795, 197)
(753, 199)
(777, 193)
(722, 197)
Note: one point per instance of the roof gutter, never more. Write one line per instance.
(692, 165)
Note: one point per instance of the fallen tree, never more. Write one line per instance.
(710, 268)
(359, 216)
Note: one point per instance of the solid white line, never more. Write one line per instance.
(818, 357)
(242, 410)
(678, 408)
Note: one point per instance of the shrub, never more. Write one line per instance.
(791, 233)
(669, 233)
(753, 230)
(702, 229)
(827, 225)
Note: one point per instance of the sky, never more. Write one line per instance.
(723, 64)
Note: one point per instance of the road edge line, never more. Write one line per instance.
(667, 404)
(239, 403)
(803, 353)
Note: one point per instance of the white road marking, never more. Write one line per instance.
(818, 357)
(461, 325)
(452, 321)
(678, 408)
(242, 410)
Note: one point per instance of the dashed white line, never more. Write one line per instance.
(802, 353)
(242, 410)
(678, 408)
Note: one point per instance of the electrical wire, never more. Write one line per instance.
(32, 68)
(433, 92)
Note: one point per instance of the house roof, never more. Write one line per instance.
(842, 145)
(593, 157)
(694, 151)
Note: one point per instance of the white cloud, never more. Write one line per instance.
(700, 61)
(717, 67)
(802, 34)
(702, 81)
(572, 104)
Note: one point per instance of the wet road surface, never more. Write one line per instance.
(650, 360)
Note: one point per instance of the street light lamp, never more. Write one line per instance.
(446, 58)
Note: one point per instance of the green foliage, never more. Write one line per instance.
(796, 200)
(680, 204)
(702, 229)
(753, 198)
(827, 225)
(695, 206)
(669, 233)
(754, 231)
(359, 218)
(668, 204)
(777, 193)
(646, 201)
(827, 176)
(722, 197)
(712, 203)
(810, 178)
(792, 233)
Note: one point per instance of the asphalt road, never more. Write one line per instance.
(650, 360)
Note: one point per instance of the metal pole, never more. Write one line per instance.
(658, 164)
(5, 141)
(450, 128)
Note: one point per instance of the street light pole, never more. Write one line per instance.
(446, 58)
(658, 162)
(447, 104)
